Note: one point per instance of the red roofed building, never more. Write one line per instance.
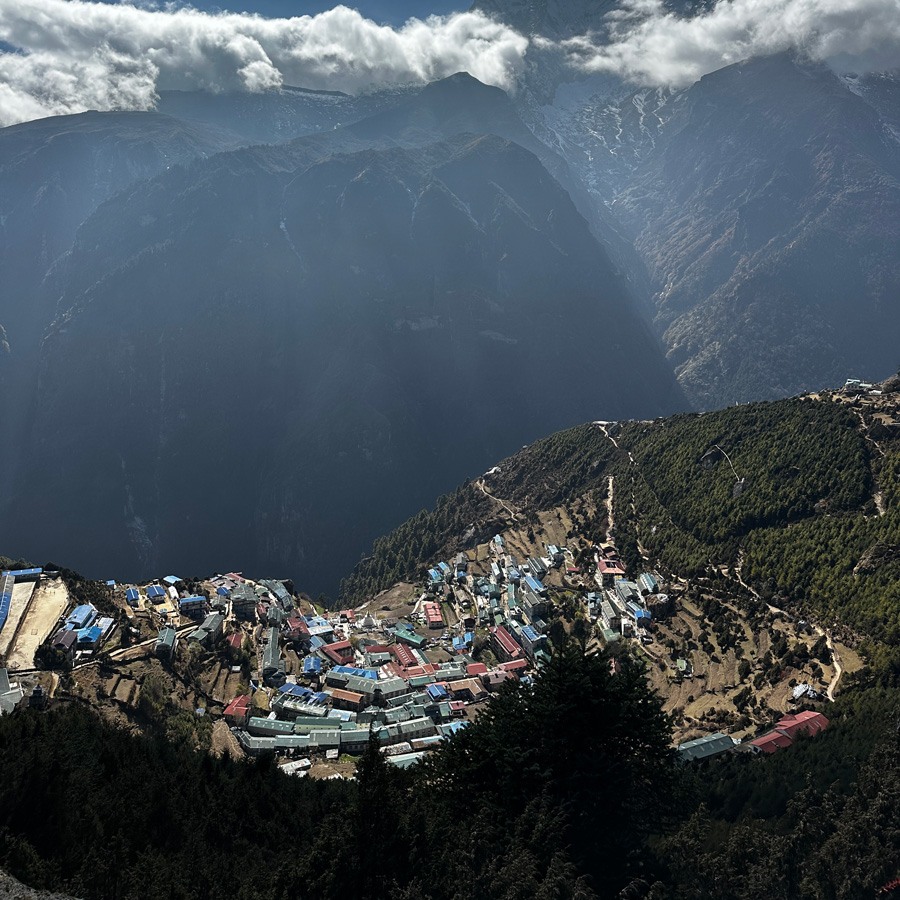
(788, 728)
(516, 666)
(433, 616)
(351, 700)
(416, 671)
(295, 628)
(811, 723)
(340, 652)
(404, 655)
(771, 742)
(476, 669)
(493, 679)
(235, 643)
(238, 711)
(504, 643)
(608, 570)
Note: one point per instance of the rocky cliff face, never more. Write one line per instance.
(768, 215)
(762, 206)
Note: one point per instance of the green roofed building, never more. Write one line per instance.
(705, 747)
(411, 638)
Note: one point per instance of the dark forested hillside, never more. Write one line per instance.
(289, 349)
(513, 807)
(798, 497)
(568, 789)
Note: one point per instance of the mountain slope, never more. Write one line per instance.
(279, 115)
(55, 172)
(798, 497)
(776, 254)
(366, 328)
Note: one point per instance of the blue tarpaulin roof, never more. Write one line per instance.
(171, 579)
(223, 592)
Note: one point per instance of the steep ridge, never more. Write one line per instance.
(53, 174)
(292, 397)
(762, 203)
(795, 498)
(769, 219)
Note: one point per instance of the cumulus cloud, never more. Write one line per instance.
(75, 55)
(647, 44)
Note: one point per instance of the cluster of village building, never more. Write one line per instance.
(409, 683)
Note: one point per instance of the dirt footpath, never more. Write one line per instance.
(49, 602)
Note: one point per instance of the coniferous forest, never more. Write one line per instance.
(565, 789)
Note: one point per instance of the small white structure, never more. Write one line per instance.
(10, 693)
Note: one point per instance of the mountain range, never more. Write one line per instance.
(275, 353)
(269, 327)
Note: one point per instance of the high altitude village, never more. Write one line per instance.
(259, 668)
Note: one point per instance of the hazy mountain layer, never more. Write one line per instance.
(273, 355)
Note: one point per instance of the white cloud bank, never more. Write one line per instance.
(649, 45)
(79, 55)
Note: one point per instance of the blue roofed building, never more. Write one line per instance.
(7, 583)
(648, 583)
(89, 638)
(26, 574)
(437, 692)
(531, 640)
(312, 665)
(82, 616)
(194, 607)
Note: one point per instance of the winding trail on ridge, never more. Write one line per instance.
(821, 632)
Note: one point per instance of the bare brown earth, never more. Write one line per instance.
(712, 699)
(21, 597)
(330, 768)
(394, 603)
(224, 743)
(48, 603)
